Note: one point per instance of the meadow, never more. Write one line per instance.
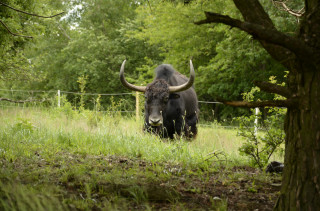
(61, 159)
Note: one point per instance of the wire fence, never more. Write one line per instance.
(55, 98)
(79, 93)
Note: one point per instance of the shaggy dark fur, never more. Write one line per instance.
(158, 89)
(178, 111)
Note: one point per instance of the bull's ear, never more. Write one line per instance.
(174, 96)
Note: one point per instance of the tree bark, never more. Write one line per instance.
(301, 178)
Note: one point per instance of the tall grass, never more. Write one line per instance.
(62, 159)
(24, 130)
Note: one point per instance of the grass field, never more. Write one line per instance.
(59, 159)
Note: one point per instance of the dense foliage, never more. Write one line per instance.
(94, 37)
(15, 64)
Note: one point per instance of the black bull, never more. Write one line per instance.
(171, 103)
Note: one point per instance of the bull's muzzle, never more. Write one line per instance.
(155, 121)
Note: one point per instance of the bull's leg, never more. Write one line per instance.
(179, 123)
(191, 128)
(187, 130)
(168, 129)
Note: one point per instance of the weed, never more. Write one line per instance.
(219, 204)
(66, 108)
(25, 197)
(82, 80)
(138, 194)
(253, 188)
(24, 125)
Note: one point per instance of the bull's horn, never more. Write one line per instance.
(186, 85)
(127, 84)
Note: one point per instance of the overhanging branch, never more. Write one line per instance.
(282, 6)
(268, 103)
(260, 32)
(24, 12)
(273, 88)
(14, 34)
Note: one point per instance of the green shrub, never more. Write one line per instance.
(24, 125)
(260, 146)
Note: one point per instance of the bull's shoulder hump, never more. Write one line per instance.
(169, 74)
(164, 71)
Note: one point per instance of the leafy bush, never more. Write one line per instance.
(24, 125)
(67, 108)
(260, 146)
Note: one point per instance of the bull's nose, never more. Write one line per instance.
(155, 121)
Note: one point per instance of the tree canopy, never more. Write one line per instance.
(20, 23)
(93, 37)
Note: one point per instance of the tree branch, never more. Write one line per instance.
(287, 9)
(14, 34)
(252, 11)
(20, 101)
(260, 32)
(273, 88)
(21, 11)
(268, 103)
(36, 15)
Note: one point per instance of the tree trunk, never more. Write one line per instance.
(301, 177)
(301, 56)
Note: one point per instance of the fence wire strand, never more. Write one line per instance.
(79, 93)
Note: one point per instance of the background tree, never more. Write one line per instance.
(300, 54)
(226, 60)
(95, 45)
(19, 22)
(94, 37)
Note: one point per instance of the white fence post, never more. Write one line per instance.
(256, 122)
(137, 107)
(59, 98)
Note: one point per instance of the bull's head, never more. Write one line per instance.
(157, 94)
